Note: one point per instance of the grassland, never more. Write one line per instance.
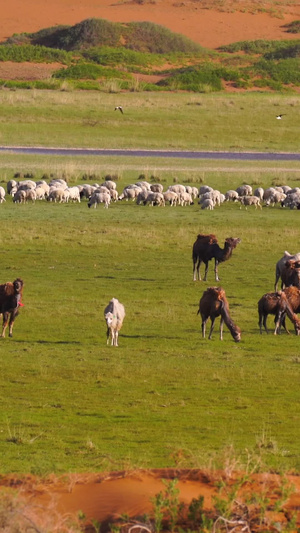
(150, 120)
(165, 397)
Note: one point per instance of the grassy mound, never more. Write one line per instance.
(139, 36)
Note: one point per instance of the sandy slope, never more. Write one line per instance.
(209, 28)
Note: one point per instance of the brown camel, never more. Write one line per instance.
(206, 248)
(279, 304)
(213, 304)
(290, 274)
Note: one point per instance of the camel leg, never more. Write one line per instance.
(203, 326)
(4, 324)
(260, 323)
(265, 323)
(206, 271)
(216, 271)
(221, 328)
(197, 270)
(212, 326)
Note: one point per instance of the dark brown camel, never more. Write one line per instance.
(212, 305)
(10, 301)
(290, 274)
(278, 304)
(206, 248)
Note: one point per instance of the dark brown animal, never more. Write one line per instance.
(278, 304)
(206, 248)
(293, 296)
(290, 274)
(10, 301)
(213, 304)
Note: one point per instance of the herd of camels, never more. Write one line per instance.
(214, 303)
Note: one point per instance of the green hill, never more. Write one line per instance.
(138, 36)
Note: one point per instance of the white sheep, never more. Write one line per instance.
(244, 190)
(185, 199)
(114, 314)
(100, 198)
(171, 197)
(155, 198)
(179, 189)
(250, 200)
(74, 194)
(19, 197)
(2, 195)
(157, 187)
(259, 192)
(56, 195)
(207, 203)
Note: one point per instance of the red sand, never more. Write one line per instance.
(209, 28)
(106, 498)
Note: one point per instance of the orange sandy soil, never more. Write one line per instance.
(106, 497)
(210, 28)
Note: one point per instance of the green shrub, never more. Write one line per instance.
(293, 27)
(37, 54)
(88, 71)
(285, 71)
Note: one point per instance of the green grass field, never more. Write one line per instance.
(165, 397)
(150, 120)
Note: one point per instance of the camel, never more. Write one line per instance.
(280, 304)
(290, 274)
(281, 264)
(213, 304)
(206, 248)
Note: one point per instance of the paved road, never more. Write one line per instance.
(241, 156)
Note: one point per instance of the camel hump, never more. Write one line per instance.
(208, 239)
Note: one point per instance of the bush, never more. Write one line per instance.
(37, 54)
(88, 71)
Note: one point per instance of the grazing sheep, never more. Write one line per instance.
(87, 191)
(206, 248)
(275, 197)
(30, 195)
(73, 194)
(179, 189)
(56, 195)
(244, 190)
(207, 204)
(185, 198)
(10, 301)
(142, 197)
(19, 197)
(231, 196)
(130, 192)
(11, 185)
(100, 198)
(2, 195)
(203, 189)
(276, 303)
(110, 185)
(171, 197)
(157, 187)
(259, 192)
(155, 198)
(250, 200)
(114, 314)
(281, 264)
(213, 304)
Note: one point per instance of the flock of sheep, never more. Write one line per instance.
(143, 193)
